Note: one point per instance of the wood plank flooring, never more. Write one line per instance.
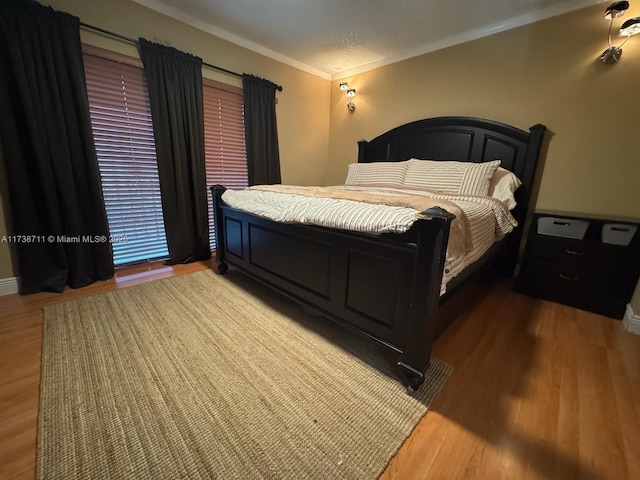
(539, 390)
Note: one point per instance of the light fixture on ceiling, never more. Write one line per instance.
(349, 94)
(628, 28)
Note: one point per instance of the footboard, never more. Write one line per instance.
(385, 287)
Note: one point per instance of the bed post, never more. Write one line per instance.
(527, 175)
(362, 148)
(216, 194)
(428, 265)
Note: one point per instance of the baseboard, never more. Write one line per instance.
(631, 321)
(8, 286)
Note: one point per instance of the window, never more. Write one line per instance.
(225, 152)
(123, 135)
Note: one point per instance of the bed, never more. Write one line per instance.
(386, 286)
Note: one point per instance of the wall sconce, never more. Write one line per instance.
(628, 28)
(349, 94)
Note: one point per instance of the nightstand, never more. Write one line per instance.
(589, 263)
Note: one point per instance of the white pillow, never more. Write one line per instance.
(464, 178)
(376, 172)
(502, 186)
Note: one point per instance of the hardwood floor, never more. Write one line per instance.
(539, 390)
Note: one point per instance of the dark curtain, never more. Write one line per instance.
(55, 193)
(261, 130)
(174, 80)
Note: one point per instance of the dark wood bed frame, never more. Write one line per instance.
(386, 287)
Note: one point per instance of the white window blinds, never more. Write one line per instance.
(123, 135)
(226, 156)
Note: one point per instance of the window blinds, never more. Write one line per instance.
(123, 135)
(225, 152)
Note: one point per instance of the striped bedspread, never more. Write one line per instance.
(382, 209)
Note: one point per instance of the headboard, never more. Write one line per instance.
(464, 139)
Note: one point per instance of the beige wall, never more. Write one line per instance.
(303, 105)
(545, 73)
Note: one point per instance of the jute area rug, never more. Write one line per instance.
(201, 376)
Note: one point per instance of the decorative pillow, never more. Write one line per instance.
(502, 186)
(465, 178)
(377, 172)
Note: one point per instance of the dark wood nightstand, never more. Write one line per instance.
(581, 261)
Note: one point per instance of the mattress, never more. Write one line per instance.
(480, 221)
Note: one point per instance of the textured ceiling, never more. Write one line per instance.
(335, 38)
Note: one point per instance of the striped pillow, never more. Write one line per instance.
(464, 178)
(378, 172)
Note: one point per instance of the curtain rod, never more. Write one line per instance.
(134, 41)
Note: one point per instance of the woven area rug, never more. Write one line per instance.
(202, 376)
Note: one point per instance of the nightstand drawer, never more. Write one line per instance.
(570, 285)
(574, 280)
(577, 252)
